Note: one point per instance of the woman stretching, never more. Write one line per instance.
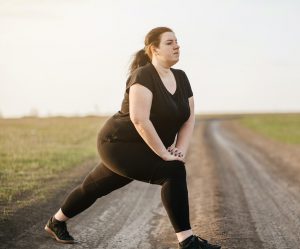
(146, 140)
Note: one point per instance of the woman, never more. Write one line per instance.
(138, 142)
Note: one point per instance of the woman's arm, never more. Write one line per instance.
(140, 100)
(185, 133)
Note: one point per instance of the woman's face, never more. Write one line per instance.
(168, 50)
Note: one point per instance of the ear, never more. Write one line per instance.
(153, 50)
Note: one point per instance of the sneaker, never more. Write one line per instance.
(58, 230)
(196, 242)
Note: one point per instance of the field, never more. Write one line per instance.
(34, 151)
(284, 128)
(37, 151)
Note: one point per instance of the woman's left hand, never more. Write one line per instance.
(175, 151)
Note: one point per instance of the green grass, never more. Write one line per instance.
(280, 127)
(36, 150)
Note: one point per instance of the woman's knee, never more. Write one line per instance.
(168, 170)
(88, 187)
(177, 169)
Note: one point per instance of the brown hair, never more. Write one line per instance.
(144, 56)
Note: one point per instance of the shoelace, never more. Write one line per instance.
(62, 230)
(194, 239)
(204, 240)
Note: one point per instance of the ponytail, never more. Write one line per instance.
(139, 59)
(144, 56)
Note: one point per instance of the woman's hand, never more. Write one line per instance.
(173, 154)
(169, 157)
(175, 151)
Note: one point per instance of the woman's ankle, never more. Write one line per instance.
(60, 216)
(181, 236)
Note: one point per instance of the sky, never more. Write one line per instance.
(71, 57)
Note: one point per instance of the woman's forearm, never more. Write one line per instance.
(184, 135)
(150, 136)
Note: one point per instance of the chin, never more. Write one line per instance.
(173, 62)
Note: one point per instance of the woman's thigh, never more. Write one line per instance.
(137, 161)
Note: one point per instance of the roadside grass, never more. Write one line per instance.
(281, 127)
(34, 151)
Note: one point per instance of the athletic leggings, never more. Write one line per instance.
(123, 162)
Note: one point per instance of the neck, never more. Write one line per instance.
(161, 69)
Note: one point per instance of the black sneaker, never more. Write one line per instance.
(58, 230)
(196, 242)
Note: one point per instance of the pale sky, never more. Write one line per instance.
(70, 57)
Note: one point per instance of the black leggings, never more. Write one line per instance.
(124, 162)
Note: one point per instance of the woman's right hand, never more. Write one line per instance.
(169, 157)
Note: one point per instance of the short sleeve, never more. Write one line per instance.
(187, 85)
(141, 76)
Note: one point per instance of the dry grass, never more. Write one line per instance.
(36, 150)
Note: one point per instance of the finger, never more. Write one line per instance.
(179, 158)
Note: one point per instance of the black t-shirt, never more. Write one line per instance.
(168, 112)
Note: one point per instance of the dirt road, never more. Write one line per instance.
(243, 190)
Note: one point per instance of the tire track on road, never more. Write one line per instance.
(259, 210)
